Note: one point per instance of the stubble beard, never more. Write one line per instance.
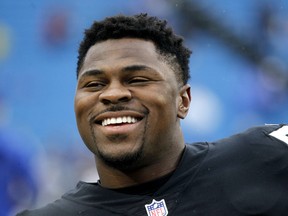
(125, 162)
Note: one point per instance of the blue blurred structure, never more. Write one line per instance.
(18, 184)
(231, 90)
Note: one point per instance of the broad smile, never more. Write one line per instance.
(119, 120)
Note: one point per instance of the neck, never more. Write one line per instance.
(113, 178)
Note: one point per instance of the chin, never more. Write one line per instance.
(126, 161)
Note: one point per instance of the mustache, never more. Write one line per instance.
(114, 108)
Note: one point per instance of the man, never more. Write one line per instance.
(132, 92)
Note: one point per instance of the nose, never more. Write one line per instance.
(115, 93)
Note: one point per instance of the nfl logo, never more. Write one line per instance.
(156, 208)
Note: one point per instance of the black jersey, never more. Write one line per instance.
(245, 174)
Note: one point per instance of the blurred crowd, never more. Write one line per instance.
(239, 78)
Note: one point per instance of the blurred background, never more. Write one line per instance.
(239, 79)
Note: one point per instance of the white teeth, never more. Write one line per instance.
(119, 120)
(113, 120)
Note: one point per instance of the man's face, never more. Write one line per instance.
(127, 103)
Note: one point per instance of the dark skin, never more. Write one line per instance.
(128, 106)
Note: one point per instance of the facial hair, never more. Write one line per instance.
(127, 162)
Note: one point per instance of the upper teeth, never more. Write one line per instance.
(119, 120)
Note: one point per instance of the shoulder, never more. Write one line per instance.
(266, 144)
(266, 136)
(71, 203)
(268, 133)
(251, 167)
(59, 207)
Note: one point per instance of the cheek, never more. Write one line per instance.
(81, 120)
(166, 100)
(82, 110)
(82, 105)
(78, 108)
(163, 107)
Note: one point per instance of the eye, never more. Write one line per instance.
(94, 85)
(138, 80)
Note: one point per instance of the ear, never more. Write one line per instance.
(184, 101)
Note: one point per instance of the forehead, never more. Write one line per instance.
(121, 52)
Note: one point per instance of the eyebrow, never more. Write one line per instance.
(93, 72)
(135, 68)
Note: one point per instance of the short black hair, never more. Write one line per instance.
(142, 26)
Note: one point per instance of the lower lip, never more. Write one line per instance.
(120, 129)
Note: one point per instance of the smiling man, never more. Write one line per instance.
(128, 106)
(132, 92)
